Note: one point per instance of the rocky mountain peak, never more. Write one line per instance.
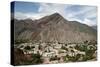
(56, 14)
(54, 28)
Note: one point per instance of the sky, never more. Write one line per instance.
(34, 10)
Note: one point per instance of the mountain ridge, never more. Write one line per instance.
(54, 28)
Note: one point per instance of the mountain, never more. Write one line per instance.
(53, 28)
(94, 27)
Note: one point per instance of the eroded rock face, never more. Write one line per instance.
(53, 28)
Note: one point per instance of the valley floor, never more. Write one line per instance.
(54, 52)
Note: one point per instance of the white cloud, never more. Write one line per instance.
(83, 10)
(44, 9)
(47, 9)
(19, 15)
(89, 22)
(87, 13)
(92, 13)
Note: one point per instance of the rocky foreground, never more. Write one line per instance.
(38, 52)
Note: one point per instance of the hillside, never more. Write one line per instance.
(53, 28)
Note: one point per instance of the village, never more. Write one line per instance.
(55, 52)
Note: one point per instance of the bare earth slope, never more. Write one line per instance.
(53, 28)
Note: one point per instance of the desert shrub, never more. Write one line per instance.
(73, 58)
(89, 54)
(54, 58)
(40, 47)
(66, 44)
(81, 47)
(86, 58)
(37, 59)
(64, 48)
(27, 47)
(21, 46)
(33, 46)
(85, 42)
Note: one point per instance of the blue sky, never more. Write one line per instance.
(26, 7)
(82, 13)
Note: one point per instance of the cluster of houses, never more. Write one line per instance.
(50, 50)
